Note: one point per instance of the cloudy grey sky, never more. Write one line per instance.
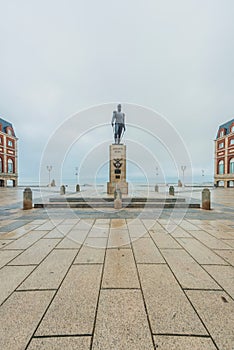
(173, 56)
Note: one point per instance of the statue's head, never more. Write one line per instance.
(119, 107)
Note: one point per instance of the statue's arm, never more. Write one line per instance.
(113, 118)
(124, 122)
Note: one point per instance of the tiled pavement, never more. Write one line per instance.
(100, 283)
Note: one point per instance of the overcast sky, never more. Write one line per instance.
(173, 56)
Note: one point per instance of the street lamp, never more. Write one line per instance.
(49, 168)
(76, 168)
(183, 168)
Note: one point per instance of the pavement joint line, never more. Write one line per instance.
(142, 294)
(61, 336)
(182, 335)
(119, 288)
(56, 292)
(100, 286)
(35, 290)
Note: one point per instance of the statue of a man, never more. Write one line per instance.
(118, 121)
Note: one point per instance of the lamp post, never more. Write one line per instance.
(183, 168)
(49, 168)
(76, 168)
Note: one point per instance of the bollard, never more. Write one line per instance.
(27, 202)
(77, 188)
(206, 199)
(62, 190)
(118, 203)
(156, 188)
(171, 191)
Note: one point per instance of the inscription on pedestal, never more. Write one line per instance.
(117, 169)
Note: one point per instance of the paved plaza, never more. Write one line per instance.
(73, 279)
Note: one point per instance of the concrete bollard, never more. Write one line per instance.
(156, 188)
(171, 191)
(77, 188)
(62, 190)
(118, 204)
(27, 201)
(206, 199)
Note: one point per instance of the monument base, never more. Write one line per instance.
(112, 186)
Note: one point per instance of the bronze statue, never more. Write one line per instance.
(118, 122)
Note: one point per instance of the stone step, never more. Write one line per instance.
(124, 200)
(110, 205)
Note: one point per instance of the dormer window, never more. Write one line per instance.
(221, 133)
(9, 132)
(232, 128)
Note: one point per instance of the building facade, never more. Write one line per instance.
(8, 155)
(224, 155)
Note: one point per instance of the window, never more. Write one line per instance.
(231, 167)
(221, 167)
(9, 131)
(10, 143)
(1, 166)
(221, 133)
(232, 142)
(10, 166)
(232, 128)
(221, 145)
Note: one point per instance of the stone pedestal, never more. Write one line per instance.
(117, 170)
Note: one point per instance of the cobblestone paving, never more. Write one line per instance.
(84, 280)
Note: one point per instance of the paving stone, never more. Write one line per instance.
(11, 277)
(188, 272)
(19, 317)
(137, 231)
(27, 240)
(84, 224)
(146, 252)
(4, 243)
(188, 226)
(120, 270)
(169, 310)
(13, 225)
(122, 322)
(183, 343)
(200, 253)
(118, 223)
(74, 304)
(224, 275)
(221, 234)
(209, 240)
(19, 232)
(229, 243)
(49, 274)
(60, 231)
(228, 255)
(60, 343)
(36, 253)
(178, 232)
(164, 240)
(96, 242)
(7, 255)
(90, 255)
(119, 239)
(47, 226)
(73, 239)
(98, 232)
(148, 223)
(216, 309)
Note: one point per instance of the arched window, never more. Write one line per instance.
(231, 166)
(221, 167)
(10, 166)
(1, 166)
(232, 128)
